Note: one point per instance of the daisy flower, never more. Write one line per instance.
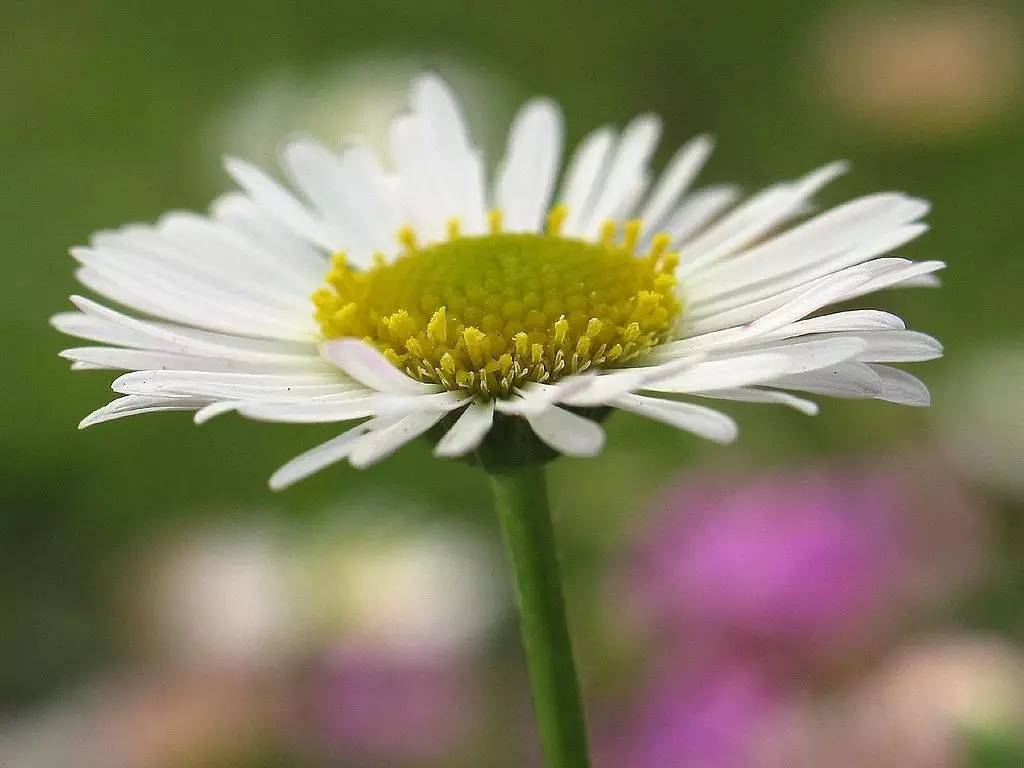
(507, 317)
(406, 294)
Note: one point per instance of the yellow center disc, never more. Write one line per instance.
(489, 313)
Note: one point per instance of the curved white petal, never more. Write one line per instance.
(698, 419)
(758, 395)
(844, 227)
(848, 380)
(367, 365)
(142, 359)
(318, 458)
(380, 443)
(308, 412)
(902, 387)
(468, 432)
(134, 405)
(566, 432)
(737, 371)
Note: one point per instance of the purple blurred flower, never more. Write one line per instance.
(380, 704)
(709, 719)
(789, 561)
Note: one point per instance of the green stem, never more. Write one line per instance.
(521, 499)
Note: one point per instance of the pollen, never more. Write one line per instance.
(489, 313)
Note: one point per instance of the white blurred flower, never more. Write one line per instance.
(222, 598)
(918, 710)
(434, 587)
(354, 99)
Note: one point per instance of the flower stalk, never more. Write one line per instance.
(521, 500)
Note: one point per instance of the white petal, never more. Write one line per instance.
(606, 387)
(697, 210)
(842, 228)
(678, 176)
(762, 363)
(318, 172)
(367, 365)
(849, 380)
(744, 336)
(580, 187)
(140, 360)
(534, 398)
(775, 275)
(879, 273)
(318, 458)
(468, 432)
(239, 387)
(422, 176)
(698, 419)
(898, 347)
(737, 371)
(859, 320)
(101, 323)
(376, 200)
(295, 255)
(922, 281)
(214, 410)
(395, 406)
(755, 218)
(904, 275)
(901, 387)
(134, 405)
(566, 432)
(381, 443)
(818, 352)
(277, 202)
(461, 173)
(828, 291)
(757, 395)
(208, 300)
(527, 177)
(627, 168)
(310, 412)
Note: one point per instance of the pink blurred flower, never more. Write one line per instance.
(709, 719)
(806, 562)
(802, 560)
(382, 705)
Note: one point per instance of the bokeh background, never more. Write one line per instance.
(839, 591)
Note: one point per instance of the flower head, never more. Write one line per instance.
(418, 295)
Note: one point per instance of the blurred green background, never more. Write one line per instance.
(117, 112)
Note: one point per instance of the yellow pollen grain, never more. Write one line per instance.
(489, 313)
(556, 218)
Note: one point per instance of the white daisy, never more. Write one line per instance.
(442, 300)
